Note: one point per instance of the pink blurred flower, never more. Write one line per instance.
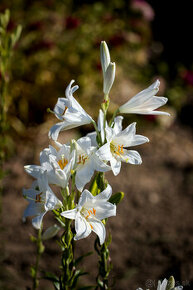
(188, 77)
(72, 22)
(145, 9)
(117, 40)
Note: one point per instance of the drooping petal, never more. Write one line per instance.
(132, 157)
(70, 90)
(52, 202)
(115, 165)
(69, 214)
(37, 221)
(84, 175)
(99, 228)
(55, 130)
(82, 227)
(32, 210)
(98, 164)
(33, 170)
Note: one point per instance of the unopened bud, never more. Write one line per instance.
(109, 78)
(170, 283)
(105, 56)
(50, 232)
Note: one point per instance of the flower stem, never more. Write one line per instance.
(104, 264)
(40, 250)
(113, 117)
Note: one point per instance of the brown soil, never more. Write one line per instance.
(153, 230)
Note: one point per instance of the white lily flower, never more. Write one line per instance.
(145, 102)
(108, 68)
(163, 286)
(56, 164)
(114, 150)
(69, 112)
(89, 212)
(41, 200)
(87, 162)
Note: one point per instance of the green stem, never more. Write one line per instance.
(105, 265)
(40, 249)
(113, 117)
(68, 264)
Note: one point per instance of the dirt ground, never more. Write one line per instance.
(153, 229)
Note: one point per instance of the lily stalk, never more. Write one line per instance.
(40, 250)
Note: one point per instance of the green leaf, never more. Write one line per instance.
(171, 283)
(116, 197)
(33, 239)
(32, 271)
(41, 248)
(77, 274)
(94, 187)
(51, 277)
(57, 285)
(15, 36)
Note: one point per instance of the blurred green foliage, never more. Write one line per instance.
(60, 41)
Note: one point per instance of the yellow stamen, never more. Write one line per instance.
(38, 197)
(65, 109)
(116, 150)
(62, 162)
(90, 212)
(82, 159)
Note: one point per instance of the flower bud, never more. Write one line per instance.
(170, 283)
(109, 78)
(105, 56)
(50, 232)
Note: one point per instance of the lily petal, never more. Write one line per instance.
(105, 194)
(37, 221)
(70, 214)
(99, 228)
(82, 227)
(115, 165)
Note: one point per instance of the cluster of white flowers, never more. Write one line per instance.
(102, 150)
(166, 285)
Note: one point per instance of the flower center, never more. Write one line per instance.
(82, 158)
(118, 150)
(65, 110)
(87, 213)
(62, 162)
(38, 197)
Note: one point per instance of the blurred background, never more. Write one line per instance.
(60, 41)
